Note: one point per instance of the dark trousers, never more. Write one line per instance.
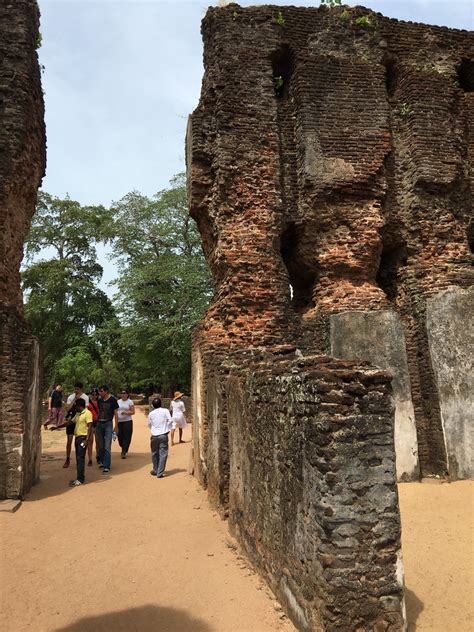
(80, 458)
(124, 436)
(159, 453)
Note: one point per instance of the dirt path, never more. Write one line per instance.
(126, 552)
(131, 553)
(438, 555)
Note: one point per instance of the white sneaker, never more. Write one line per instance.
(75, 483)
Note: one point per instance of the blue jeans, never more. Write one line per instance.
(103, 433)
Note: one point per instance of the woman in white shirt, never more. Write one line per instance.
(177, 411)
(125, 422)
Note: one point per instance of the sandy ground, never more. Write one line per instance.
(438, 555)
(131, 553)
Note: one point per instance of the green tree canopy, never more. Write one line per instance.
(63, 302)
(164, 283)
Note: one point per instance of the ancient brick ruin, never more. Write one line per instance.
(330, 169)
(22, 165)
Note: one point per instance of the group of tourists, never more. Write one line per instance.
(99, 416)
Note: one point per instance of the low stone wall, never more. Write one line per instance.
(312, 489)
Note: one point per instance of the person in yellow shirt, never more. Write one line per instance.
(82, 433)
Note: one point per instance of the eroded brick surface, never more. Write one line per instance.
(329, 170)
(353, 183)
(22, 164)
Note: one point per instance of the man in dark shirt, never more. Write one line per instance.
(108, 407)
(55, 406)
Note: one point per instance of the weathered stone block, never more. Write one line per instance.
(450, 327)
(378, 337)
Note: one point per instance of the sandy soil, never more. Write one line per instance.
(127, 552)
(130, 553)
(438, 555)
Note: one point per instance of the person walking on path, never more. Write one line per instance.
(82, 432)
(159, 422)
(108, 406)
(94, 408)
(71, 412)
(177, 411)
(55, 406)
(125, 422)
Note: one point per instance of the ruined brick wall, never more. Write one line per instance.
(330, 174)
(313, 493)
(331, 150)
(22, 165)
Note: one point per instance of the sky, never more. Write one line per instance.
(121, 77)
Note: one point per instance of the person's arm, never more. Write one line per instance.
(116, 418)
(90, 430)
(50, 399)
(69, 402)
(131, 410)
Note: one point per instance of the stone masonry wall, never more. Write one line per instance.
(22, 165)
(330, 170)
(313, 492)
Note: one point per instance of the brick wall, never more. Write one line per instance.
(313, 492)
(329, 170)
(22, 164)
(334, 157)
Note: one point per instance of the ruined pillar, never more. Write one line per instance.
(22, 165)
(330, 175)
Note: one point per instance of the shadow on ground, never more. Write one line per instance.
(144, 619)
(414, 607)
(54, 479)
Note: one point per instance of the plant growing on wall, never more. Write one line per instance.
(280, 20)
(331, 3)
(404, 110)
(364, 22)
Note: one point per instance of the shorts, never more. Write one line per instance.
(55, 416)
(70, 429)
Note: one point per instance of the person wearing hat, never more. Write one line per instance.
(177, 411)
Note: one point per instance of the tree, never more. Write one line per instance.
(164, 283)
(63, 302)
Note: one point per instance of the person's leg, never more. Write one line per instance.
(172, 437)
(181, 435)
(120, 434)
(154, 446)
(80, 458)
(99, 438)
(127, 435)
(69, 440)
(108, 429)
(90, 445)
(163, 455)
